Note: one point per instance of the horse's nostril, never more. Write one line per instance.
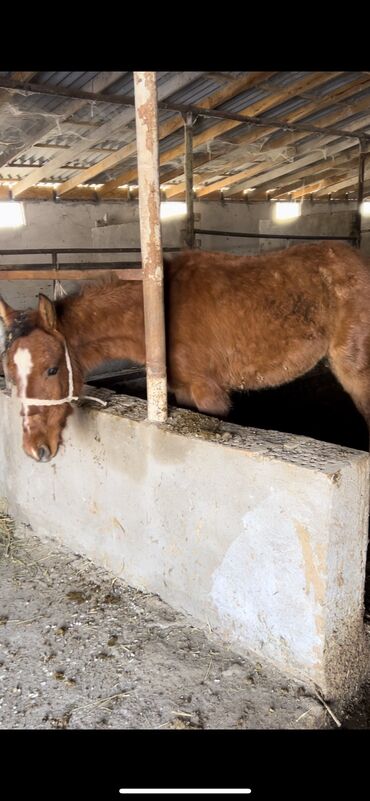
(43, 453)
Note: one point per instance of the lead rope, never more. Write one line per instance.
(71, 397)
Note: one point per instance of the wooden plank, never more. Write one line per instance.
(83, 193)
(6, 96)
(308, 190)
(273, 99)
(338, 95)
(314, 154)
(291, 138)
(16, 274)
(167, 128)
(248, 173)
(174, 83)
(332, 117)
(254, 110)
(352, 180)
(47, 124)
(347, 161)
(22, 76)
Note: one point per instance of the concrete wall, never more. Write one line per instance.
(67, 224)
(261, 535)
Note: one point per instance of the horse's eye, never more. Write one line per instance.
(52, 370)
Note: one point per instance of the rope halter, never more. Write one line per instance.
(68, 399)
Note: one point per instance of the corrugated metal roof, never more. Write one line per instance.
(34, 118)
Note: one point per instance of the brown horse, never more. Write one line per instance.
(231, 323)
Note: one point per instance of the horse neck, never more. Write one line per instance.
(104, 322)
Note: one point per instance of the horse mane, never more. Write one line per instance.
(22, 325)
(102, 282)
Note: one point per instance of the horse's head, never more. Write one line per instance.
(37, 362)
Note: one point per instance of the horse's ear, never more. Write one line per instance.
(46, 312)
(7, 314)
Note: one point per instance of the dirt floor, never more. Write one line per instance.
(81, 650)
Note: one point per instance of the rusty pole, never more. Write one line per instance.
(151, 243)
(189, 194)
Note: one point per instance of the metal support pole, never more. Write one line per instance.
(151, 244)
(189, 194)
(360, 192)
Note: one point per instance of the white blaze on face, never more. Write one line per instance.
(24, 364)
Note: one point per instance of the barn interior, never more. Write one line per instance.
(248, 162)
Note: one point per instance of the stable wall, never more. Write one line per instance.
(116, 224)
(258, 534)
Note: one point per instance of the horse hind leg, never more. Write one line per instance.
(205, 395)
(209, 397)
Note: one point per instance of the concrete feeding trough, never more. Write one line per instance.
(260, 534)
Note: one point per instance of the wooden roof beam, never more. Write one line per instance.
(309, 189)
(347, 161)
(173, 84)
(308, 154)
(167, 128)
(47, 124)
(336, 185)
(292, 138)
(274, 98)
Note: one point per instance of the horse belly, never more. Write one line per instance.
(276, 364)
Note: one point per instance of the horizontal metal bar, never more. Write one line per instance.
(128, 100)
(269, 236)
(133, 373)
(266, 122)
(31, 251)
(74, 94)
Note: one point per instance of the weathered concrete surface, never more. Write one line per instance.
(261, 534)
(79, 650)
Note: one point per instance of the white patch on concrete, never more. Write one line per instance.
(259, 587)
(24, 364)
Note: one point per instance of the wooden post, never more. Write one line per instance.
(151, 244)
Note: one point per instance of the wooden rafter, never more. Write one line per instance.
(293, 137)
(309, 189)
(16, 76)
(296, 172)
(238, 177)
(348, 161)
(47, 124)
(307, 155)
(167, 128)
(77, 274)
(346, 183)
(177, 81)
(332, 117)
(260, 169)
(276, 96)
(315, 104)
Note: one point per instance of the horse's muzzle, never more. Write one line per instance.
(40, 454)
(44, 454)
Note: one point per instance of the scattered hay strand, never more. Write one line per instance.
(100, 701)
(336, 721)
(7, 528)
